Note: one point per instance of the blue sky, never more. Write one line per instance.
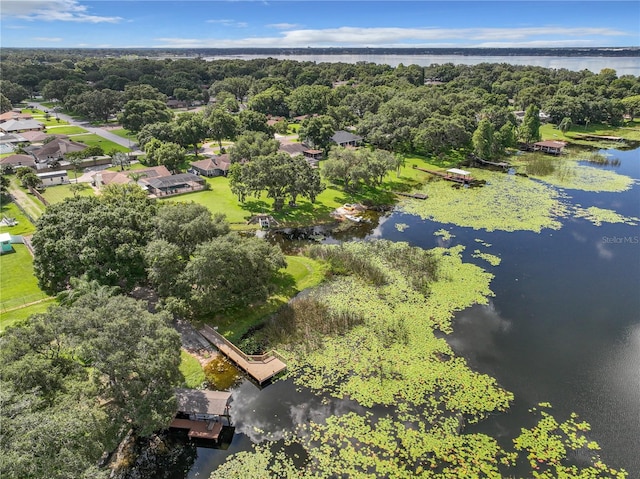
(275, 23)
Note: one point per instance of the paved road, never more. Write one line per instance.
(107, 135)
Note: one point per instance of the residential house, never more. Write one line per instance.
(15, 115)
(39, 136)
(16, 161)
(17, 126)
(173, 103)
(173, 184)
(56, 150)
(51, 178)
(213, 166)
(344, 138)
(124, 177)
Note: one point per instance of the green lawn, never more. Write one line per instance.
(55, 194)
(106, 145)
(132, 166)
(24, 226)
(121, 132)
(15, 316)
(66, 130)
(300, 273)
(191, 370)
(18, 284)
(631, 131)
(32, 205)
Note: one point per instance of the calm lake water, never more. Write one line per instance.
(563, 327)
(622, 65)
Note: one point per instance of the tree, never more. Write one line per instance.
(483, 140)
(163, 131)
(439, 135)
(143, 91)
(5, 104)
(103, 238)
(631, 105)
(4, 184)
(120, 159)
(189, 129)
(318, 131)
(138, 113)
(13, 92)
(170, 155)
(221, 125)
(254, 121)
(186, 225)
(251, 145)
(309, 99)
(98, 104)
(530, 129)
(565, 125)
(280, 175)
(270, 102)
(75, 163)
(352, 167)
(30, 180)
(230, 271)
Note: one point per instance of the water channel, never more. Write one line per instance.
(563, 327)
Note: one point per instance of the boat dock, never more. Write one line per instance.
(202, 413)
(261, 367)
(582, 136)
(452, 174)
(209, 430)
(418, 196)
(499, 164)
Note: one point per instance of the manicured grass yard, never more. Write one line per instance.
(55, 194)
(66, 130)
(121, 132)
(106, 145)
(32, 205)
(191, 370)
(631, 131)
(18, 284)
(24, 226)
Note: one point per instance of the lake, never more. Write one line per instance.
(622, 65)
(563, 327)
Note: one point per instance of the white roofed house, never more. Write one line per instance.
(52, 178)
(17, 126)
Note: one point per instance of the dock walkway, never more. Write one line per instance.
(260, 367)
(418, 196)
(199, 429)
(447, 176)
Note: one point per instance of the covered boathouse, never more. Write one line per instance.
(202, 413)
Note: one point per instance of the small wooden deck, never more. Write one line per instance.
(418, 196)
(260, 367)
(497, 164)
(199, 429)
(583, 136)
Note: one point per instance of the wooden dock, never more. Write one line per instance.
(260, 367)
(418, 196)
(199, 429)
(498, 164)
(448, 176)
(583, 136)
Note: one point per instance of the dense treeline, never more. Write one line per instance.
(428, 110)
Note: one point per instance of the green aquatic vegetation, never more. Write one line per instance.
(493, 260)
(446, 235)
(506, 203)
(221, 374)
(548, 443)
(394, 356)
(601, 215)
(401, 226)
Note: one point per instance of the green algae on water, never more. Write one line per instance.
(493, 260)
(401, 227)
(601, 215)
(505, 203)
(446, 235)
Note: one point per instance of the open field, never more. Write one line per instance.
(630, 131)
(93, 140)
(121, 132)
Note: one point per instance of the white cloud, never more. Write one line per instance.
(47, 39)
(52, 10)
(410, 37)
(229, 23)
(283, 26)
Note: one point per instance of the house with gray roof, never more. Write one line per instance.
(344, 138)
(17, 126)
(173, 184)
(56, 149)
